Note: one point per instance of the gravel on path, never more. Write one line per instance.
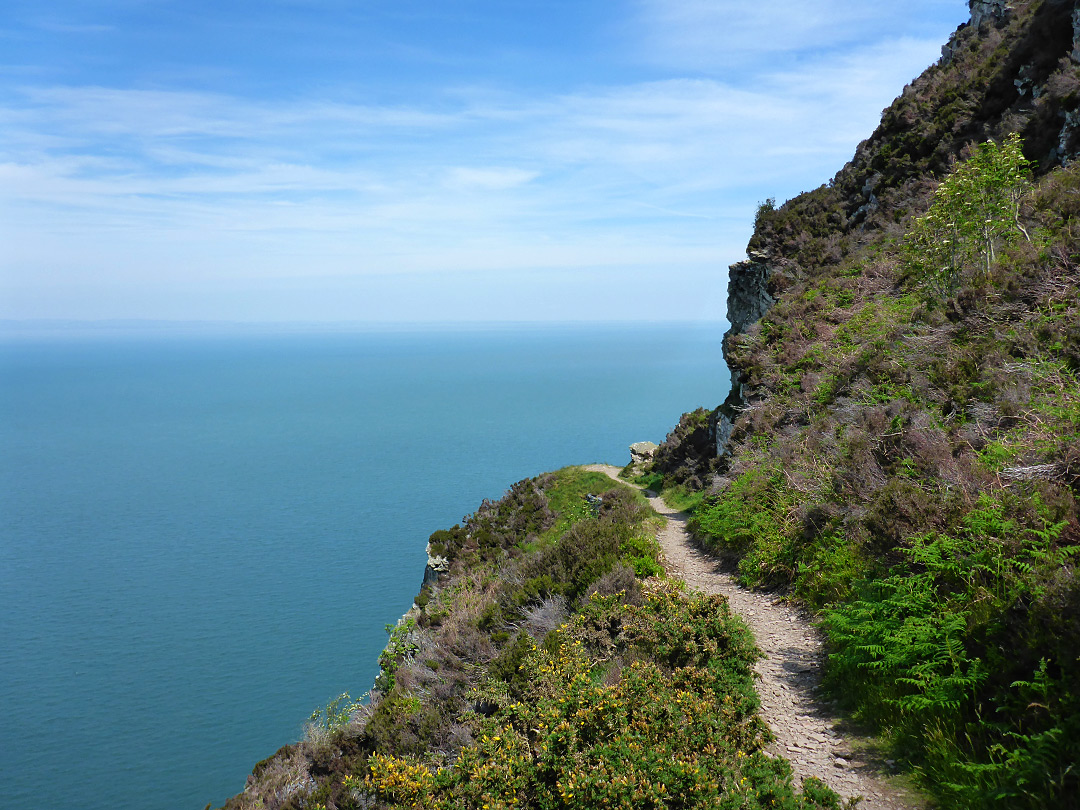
(807, 729)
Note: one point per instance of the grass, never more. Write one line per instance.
(572, 675)
(566, 498)
(682, 499)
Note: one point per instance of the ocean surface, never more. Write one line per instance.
(203, 533)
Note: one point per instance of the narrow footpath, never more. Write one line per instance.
(807, 729)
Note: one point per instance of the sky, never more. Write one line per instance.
(382, 161)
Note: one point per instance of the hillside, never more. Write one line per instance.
(901, 448)
(900, 453)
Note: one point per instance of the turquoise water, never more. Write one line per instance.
(202, 536)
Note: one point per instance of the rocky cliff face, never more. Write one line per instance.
(748, 292)
(747, 301)
(1012, 68)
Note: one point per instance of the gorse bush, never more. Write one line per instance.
(551, 672)
(627, 707)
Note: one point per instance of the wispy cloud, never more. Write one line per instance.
(564, 160)
(724, 35)
(147, 188)
(74, 28)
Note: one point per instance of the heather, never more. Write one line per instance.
(899, 455)
(548, 666)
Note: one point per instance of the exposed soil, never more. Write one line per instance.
(809, 734)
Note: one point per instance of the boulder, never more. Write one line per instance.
(641, 455)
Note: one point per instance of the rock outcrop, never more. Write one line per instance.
(748, 292)
(1075, 55)
(993, 10)
(436, 566)
(748, 300)
(641, 455)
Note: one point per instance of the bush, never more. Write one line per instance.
(675, 727)
(976, 210)
(939, 646)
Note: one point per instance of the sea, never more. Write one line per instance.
(204, 531)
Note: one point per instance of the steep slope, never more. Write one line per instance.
(545, 665)
(901, 448)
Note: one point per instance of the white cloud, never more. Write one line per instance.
(733, 35)
(143, 188)
(491, 178)
(666, 139)
(74, 28)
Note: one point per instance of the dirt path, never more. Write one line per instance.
(807, 731)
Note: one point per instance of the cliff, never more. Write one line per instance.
(1011, 68)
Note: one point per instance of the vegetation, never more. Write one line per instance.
(626, 706)
(950, 651)
(908, 464)
(976, 212)
(550, 667)
(903, 459)
(684, 459)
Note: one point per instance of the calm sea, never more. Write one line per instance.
(203, 535)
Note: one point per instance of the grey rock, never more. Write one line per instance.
(641, 455)
(1076, 35)
(1068, 147)
(748, 294)
(436, 566)
(995, 11)
(641, 452)
(724, 427)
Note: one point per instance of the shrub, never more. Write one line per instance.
(675, 728)
(939, 651)
(976, 210)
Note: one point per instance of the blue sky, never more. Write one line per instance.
(421, 160)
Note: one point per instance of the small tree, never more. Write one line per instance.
(976, 210)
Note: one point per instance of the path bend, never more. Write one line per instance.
(806, 728)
